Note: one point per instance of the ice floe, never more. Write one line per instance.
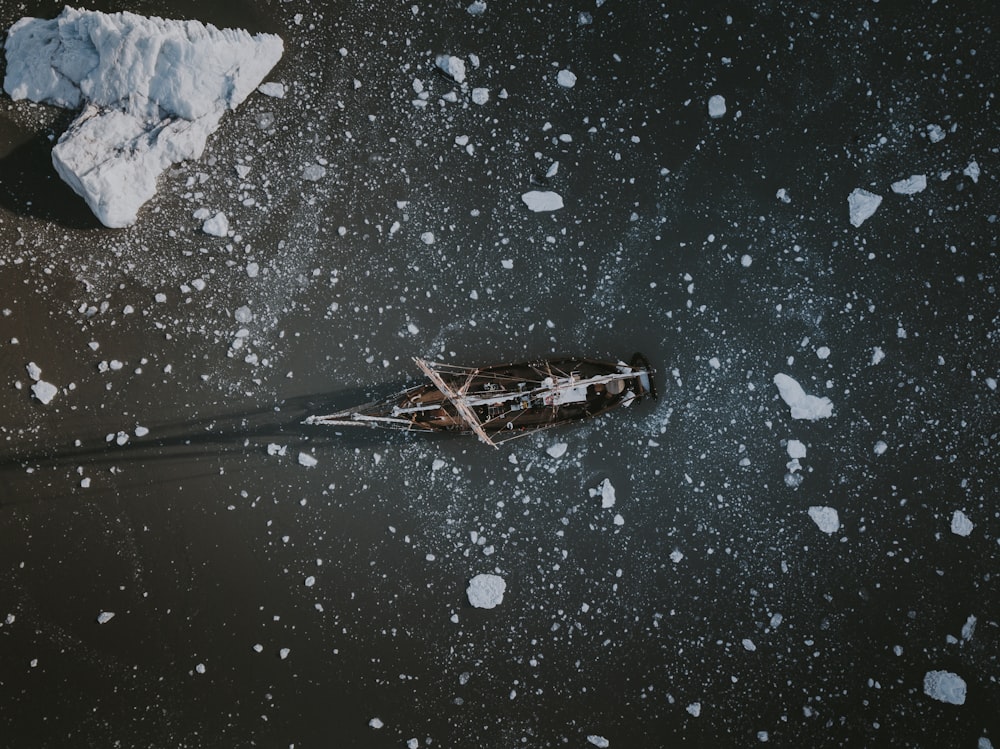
(862, 205)
(803, 406)
(945, 686)
(152, 91)
(540, 201)
(486, 591)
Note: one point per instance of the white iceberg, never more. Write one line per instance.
(911, 185)
(716, 107)
(541, 201)
(862, 205)
(486, 591)
(803, 406)
(152, 91)
(945, 686)
(826, 518)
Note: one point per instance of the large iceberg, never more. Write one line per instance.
(151, 92)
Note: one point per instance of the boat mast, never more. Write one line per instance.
(457, 399)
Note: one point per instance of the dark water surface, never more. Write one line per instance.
(714, 611)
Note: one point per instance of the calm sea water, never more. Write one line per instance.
(260, 602)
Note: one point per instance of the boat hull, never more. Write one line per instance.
(504, 401)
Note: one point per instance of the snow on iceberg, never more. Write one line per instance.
(152, 91)
(803, 406)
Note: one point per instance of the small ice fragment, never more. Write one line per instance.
(412, 744)
(141, 431)
(412, 329)
(911, 185)
(716, 106)
(619, 520)
(566, 79)
(217, 226)
(960, 524)
(376, 723)
(606, 492)
(310, 581)
(935, 133)
(826, 518)
(105, 616)
(452, 66)
(438, 464)
(823, 352)
(969, 628)
(783, 196)
(796, 449)
(313, 172)
(557, 450)
(477, 8)
(507, 264)
(200, 668)
(34, 371)
(243, 315)
(745, 261)
(44, 391)
(541, 201)
(972, 171)
(480, 96)
(427, 237)
(283, 653)
(694, 708)
(803, 406)
(877, 355)
(599, 741)
(486, 591)
(273, 89)
(714, 362)
(862, 204)
(880, 447)
(945, 686)
(748, 645)
(676, 556)
(553, 170)
(307, 460)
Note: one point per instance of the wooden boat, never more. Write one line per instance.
(505, 401)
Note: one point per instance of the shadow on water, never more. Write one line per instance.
(217, 435)
(31, 187)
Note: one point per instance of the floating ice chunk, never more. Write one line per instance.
(826, 518)
(910, 185)
(566, 78)
(877, 355)
(152, 91)
(746, 261)
(34, 371)
(141, 431)
(748, 645)
(972, 171)
(880, 447)
(438, 464)
(935, 133)
(273, 89)
(796, 449)
(716, 106)
(557, 450)
(540, 201)
(427, 237)
(676, 556)
(619, 520)
(694, 709)
(217, 225)
(480, 96)
(283, 653)
(606, 492)
(105, 616)
(823, 352)
(307, 460)
(969, 628)
(945, 686)
(44, 391)
(476, 8)
(486, 591)
(309, 581)
(599, 741)
(243, 315)
(960, 524)
(313, 172)
(861, 205)
(452, 66)
(783, 196)
(803, 406)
